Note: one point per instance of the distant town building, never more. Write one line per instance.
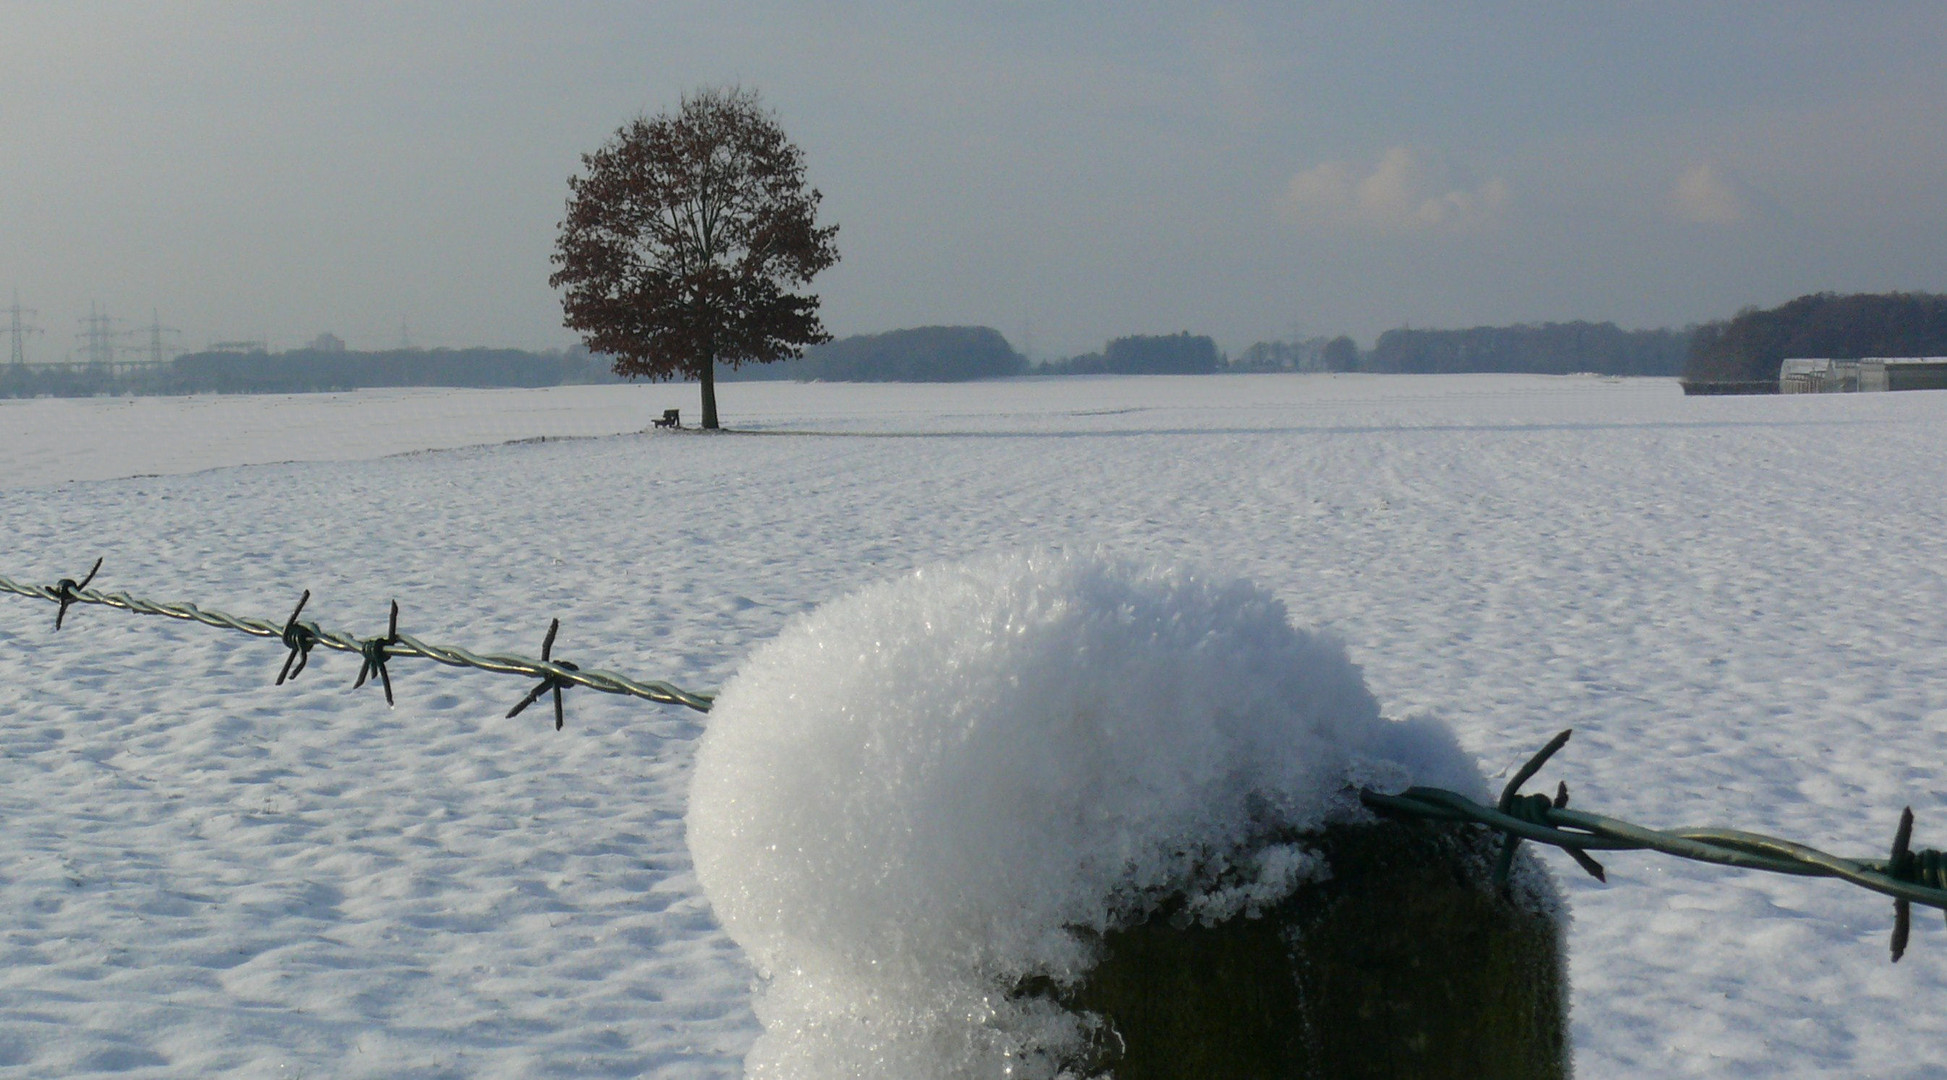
(327, 342)
(1817, 375)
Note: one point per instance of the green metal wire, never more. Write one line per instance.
(1576, 830)
(406, 645)
(1909, 877)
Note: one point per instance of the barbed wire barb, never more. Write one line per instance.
(1900, 860)
(66, 588)
(547, 684)
(1513, 803)
(374, 652)
(299, 638)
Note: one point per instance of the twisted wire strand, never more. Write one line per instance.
(1907, 877)
(607, 682)
(1575, 829)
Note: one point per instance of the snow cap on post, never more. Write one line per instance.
(926, 796)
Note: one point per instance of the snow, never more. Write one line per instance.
(914, 797)
(1737, 603)
(50, 440)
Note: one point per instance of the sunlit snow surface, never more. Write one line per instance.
(1739, 604)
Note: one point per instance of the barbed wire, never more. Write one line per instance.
(301, 637)
(1908, 876)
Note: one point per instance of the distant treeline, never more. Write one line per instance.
(304, 370)
(1533, 349)
(1167, 354)
(307, 370)
(924, 354)
(1310, 355)
(1742, 354)
(1544, 348)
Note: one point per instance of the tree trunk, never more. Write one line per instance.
(710, 393)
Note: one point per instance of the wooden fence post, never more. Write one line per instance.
(1406, 963)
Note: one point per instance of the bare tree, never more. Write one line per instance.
(683, 239)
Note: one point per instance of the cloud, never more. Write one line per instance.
(1405, 192)
(1709, 197)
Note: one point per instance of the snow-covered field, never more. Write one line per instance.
(1739, 604)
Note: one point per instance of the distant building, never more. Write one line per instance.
(327, 342)
(1815, 375)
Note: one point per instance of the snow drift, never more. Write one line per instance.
(921, 794)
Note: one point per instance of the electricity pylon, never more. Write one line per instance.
(97, 335)
(154, 330)
(17, 330)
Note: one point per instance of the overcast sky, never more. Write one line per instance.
(1063, 172)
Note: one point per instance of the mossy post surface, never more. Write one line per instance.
(1405, 964)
